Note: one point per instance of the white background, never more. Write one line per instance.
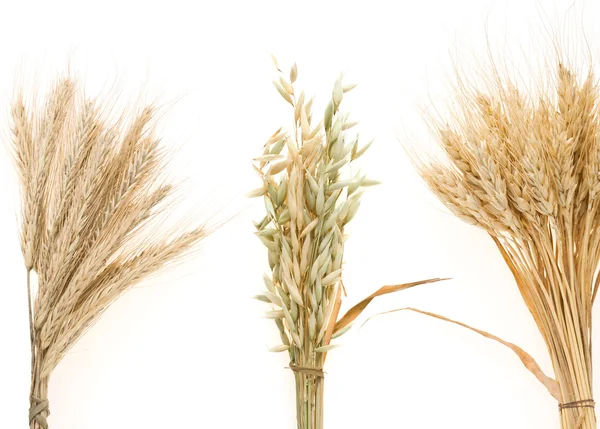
(189, 348)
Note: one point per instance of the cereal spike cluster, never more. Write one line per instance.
(94, 196)
(311, 192)
(309, 198)
(526, 169)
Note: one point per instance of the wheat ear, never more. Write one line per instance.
(524, 166)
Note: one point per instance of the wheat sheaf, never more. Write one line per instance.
(94, 194)
(523, 163)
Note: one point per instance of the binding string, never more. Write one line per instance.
(38, 408)
(584, 403)
(316, 372)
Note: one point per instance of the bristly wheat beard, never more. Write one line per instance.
(523, 164)
(94, 198)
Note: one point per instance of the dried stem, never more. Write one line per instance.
(31, 328)
(308, 202)
(309, 401)
(311, 192)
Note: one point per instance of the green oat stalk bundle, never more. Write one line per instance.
(93, 193)
(310, 194)
(525, 168)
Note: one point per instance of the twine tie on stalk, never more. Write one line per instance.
(39, 406)
(584, 403)
(307, 370)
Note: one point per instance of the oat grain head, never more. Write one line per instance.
(311, 190)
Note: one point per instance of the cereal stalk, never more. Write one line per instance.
(310, 192)
(524, 167)
(93, 197)
(309, 400)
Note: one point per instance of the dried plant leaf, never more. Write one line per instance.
(355, 311)
(527, 360)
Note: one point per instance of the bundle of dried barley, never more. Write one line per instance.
(309, 198)
(526, 169)
(93, 189)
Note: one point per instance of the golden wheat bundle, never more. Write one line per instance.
(310, 194)
(525, 167)
(93, 191)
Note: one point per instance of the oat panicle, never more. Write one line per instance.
(311, 191)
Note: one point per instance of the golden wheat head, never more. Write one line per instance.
(524, 165)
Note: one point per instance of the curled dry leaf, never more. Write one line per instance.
(355, 311)
(528, 361)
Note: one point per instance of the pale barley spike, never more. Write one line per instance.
(93, 195)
